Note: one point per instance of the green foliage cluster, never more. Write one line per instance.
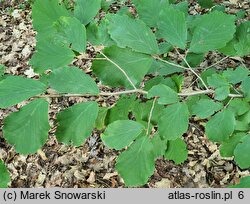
(150, 118)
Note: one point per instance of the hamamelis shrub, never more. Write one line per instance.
(151, 116)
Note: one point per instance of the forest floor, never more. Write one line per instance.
(92, 164)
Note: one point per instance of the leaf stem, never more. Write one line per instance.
(150, 115)
(125, 74)
(192, 70)
(170, 63)
(216, 63)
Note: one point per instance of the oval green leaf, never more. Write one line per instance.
(221, 126)
(121, 133)
(174, 121)
(136, 164)
(28, 129)
(136, 66)
(242, 152)
(213, 31)
(172, 27)
(72, 80)
(133, 34)
(4, 175)
(166, 94)
(176, 151)
(15, 89)
(76, 123)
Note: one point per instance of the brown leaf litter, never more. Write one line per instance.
(92, 164)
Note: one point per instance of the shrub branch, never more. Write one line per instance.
(139, 91)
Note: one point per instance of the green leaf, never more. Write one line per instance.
(229, 49)
(193, 100)
(100, 122)
(237, 75)
(136, 164)
(179, 81)
(206, 3)
(136, 65)
(194, 59)
(207, 73)
(240, 14)
(166, 94)
(121, 133)
(213, 31)
(245, 87)
(142, 110)
(71, 32)
(159, 145)
(181, 6)
(176, 151)
(98, 34)
(28, 129)
(241, 126)
(133, 34)
(221, 126)
(173, 122)
(148, 10)
(221, 8)
(105, 4)
(172, 27)
(217, 81)
(125, 10)
(163, 68)
(86, 10)
(165, 47)
(15, 89)
(244, 183)
(2, 69)
(227, 147)
(243, 38)
(4, 175)
(160, 80)
(204, 108)
(243, 122)
(242, 152)
(76, 123)
(45, 13)
(50, 55)
(222, 93)
(72, 80)
(121, 109)
(239, 106)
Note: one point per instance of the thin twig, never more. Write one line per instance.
(193, 93)
(170, 63)
(216, 63)
(92, 58)
(88, 95)
(209, 68)
(150, 115)
(228, 103)
(125, 74)
(191, 69)
(209, 91)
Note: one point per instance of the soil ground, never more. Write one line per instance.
(92, 164)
